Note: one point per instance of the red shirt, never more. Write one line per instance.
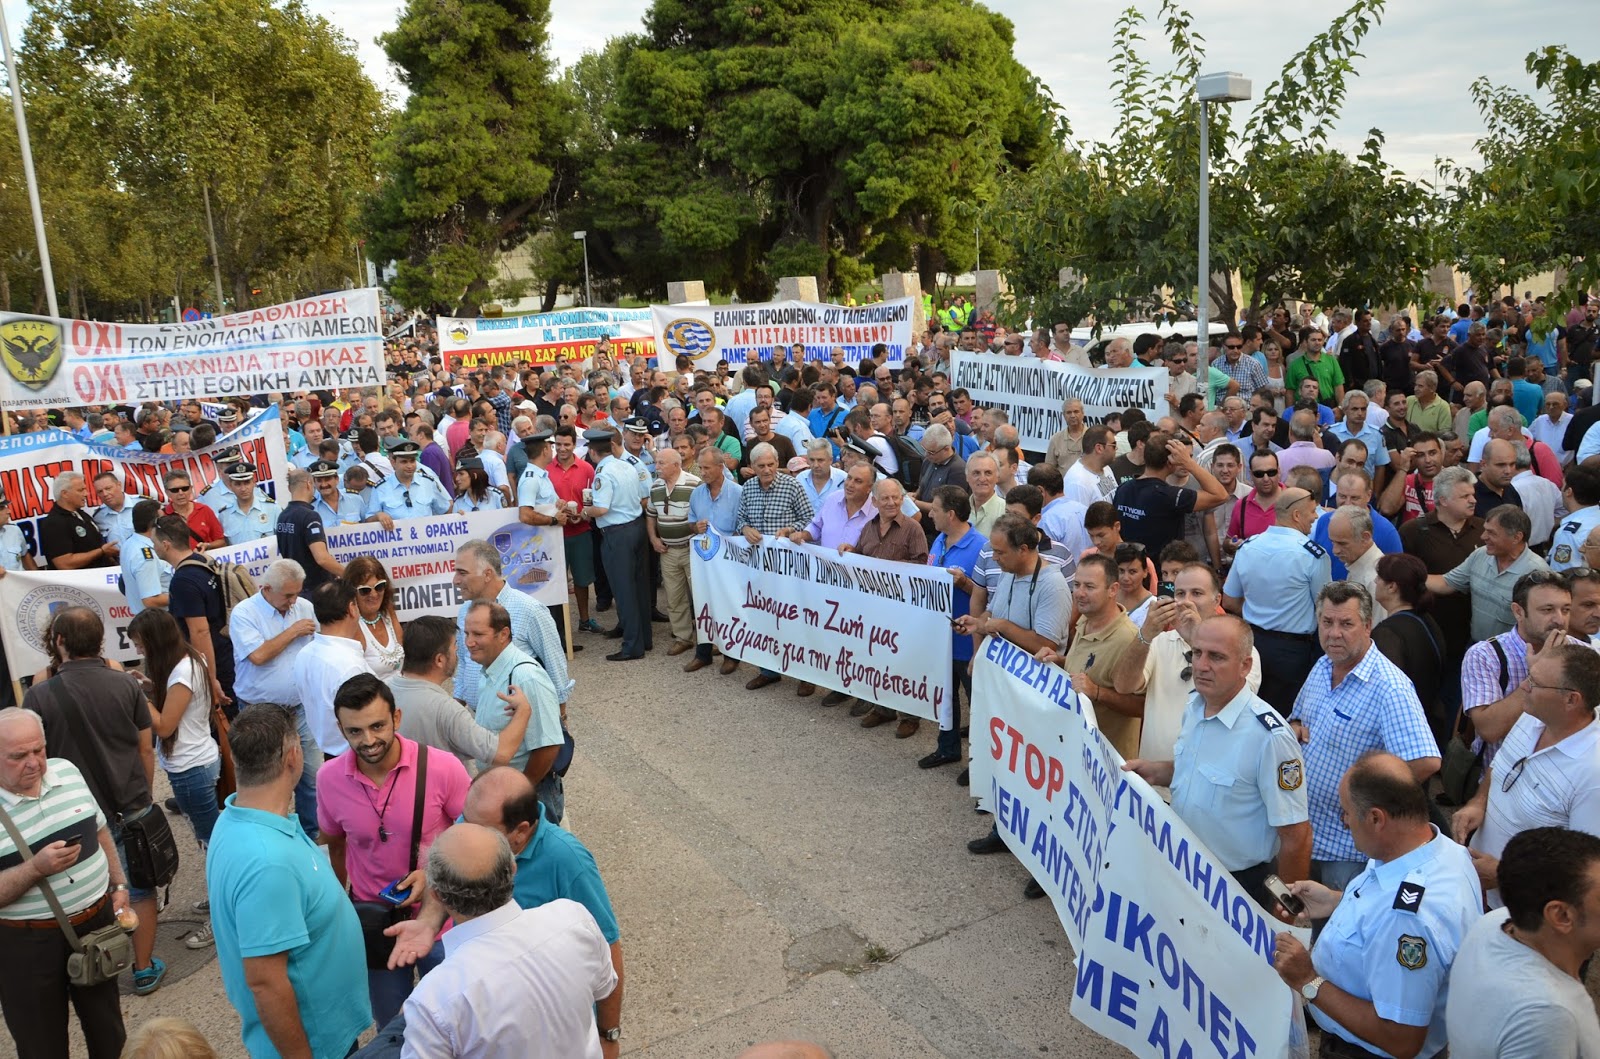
(570, 482)
(1250, 518)
(204, 526)
(1418, 498)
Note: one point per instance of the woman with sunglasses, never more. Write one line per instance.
(205, 529)
(380, 628)
(473, 491)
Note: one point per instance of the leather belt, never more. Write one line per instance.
(76, 919)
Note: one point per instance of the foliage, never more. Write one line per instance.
(1540, 180)
(1296, 218)
(468, 163)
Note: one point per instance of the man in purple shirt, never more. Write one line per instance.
(844, 512)
(434, 457)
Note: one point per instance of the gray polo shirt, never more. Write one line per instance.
(1040, 601)
(429, 715)
(1480, 576)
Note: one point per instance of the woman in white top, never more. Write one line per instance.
(380, 629)
(175, 681)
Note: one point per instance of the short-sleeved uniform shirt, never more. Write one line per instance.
(241, 527)
(1570, 535)
(1237, 777)
(196, 592)
(273, 891)
(297, 529)
(1152, 512)
(13, 546)
(422, 497)
(144, 574)
(1278, 573)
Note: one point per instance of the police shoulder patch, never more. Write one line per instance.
(1562, 554)
(1290, 775)
(1270, 720)
(1314, 548)
(1411, 952)
(1409, 896)
(148, 553)
(1570, 527)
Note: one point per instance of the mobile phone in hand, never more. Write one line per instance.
(1280, 893)
(393, 894)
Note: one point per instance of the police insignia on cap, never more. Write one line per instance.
(1290, 775)
(1412, 952)
(1409, 898)
(1563, 553)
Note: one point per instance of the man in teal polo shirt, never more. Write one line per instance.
(488, 635)
(289, 944)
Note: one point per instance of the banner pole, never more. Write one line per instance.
(27, 169)
(566, 619)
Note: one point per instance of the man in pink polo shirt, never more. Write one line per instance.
(365, 802)
(1255, 512)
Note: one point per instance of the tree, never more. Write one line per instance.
(756, 141)
(1294, 217)
(467, 164)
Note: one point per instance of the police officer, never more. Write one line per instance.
(464, 500)
(406, 494)
(302, 533)
(1581, 495)
(145, 575)
(537, 503)
(617, 507)
(1273, 584)
(335, 506)
(14, 551)
(1376, 978)
(216, 494)
(246, 515)
(1236, 775)
(636, 451)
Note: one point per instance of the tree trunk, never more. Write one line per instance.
(1227, 308)
(5, 288)
(552, 287)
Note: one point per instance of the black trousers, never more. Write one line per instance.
(34, 993)
(623, 553)
(1286, 661)
(602, 582)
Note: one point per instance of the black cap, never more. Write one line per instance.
(406, 448)
(230, 454)
(539, 435)
(323, 469)
(594, 434)
(228, 414)
(469, 463)
(242, 472)
(860, 448)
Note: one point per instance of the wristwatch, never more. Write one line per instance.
(1312, 988)
(613, 1034)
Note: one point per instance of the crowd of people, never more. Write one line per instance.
(1337, 601)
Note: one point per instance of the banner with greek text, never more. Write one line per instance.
(541, 338)
(741, 333)
(30, 462)
(878, 630)
(1032, 391)
(419, 555)
(1173, 957)
(322, 343)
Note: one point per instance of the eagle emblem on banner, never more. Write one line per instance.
(31, 349)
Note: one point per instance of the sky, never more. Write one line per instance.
(1413, 82)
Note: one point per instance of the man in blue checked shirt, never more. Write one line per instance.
(1355, 700)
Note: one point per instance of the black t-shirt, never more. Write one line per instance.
(196, 592)
(113, 721)
(299, 527)
(1488, 501)
(63, 532)
(1152, 511)
(1125, 470)
(1396, 357)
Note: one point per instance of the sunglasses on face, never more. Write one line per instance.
(178, 488)
(367, 590)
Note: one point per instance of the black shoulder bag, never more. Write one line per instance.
(378, 916)
(147, 839)
(1462, 770)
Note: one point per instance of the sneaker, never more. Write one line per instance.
(200, 938)
(203, 906)
(590, 626)
(148, 980)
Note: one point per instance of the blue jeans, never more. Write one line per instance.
(388, 989)
(195, 790)
(305, 792)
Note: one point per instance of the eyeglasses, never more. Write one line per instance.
(1513, 776)
(407, 494)
(367, 590)
(1534, 685)
(1270, 472)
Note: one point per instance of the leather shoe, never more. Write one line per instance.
(965, 778)
(623, 656)
(1033, 891)
(656, 615)
(600, 607)
(835, 698)
(907, 728)
(696, 664)
(614, 633)
(876, 717)
(729, 665)
(759, 681)
(990, 843)
(804, 690)
(861, 707)
(935, 759)
(678, 647)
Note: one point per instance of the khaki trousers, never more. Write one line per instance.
(680, 607)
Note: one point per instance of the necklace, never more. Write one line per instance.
(369, 622)
(383, 832)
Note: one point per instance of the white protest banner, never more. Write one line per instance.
(741, 333)
(29, 462)
(1173, 957)
(419, 555)
(879, 630)
(321, 343)
(540, 338)
(1032, 391)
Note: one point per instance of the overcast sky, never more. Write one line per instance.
(1412, 84)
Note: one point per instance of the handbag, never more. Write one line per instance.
(147, 839)
(97, 957)
(1462, 769)
(378, 916)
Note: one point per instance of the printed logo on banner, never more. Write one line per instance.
(31, 350)
(459, 334)
(705, 546)
(521, 557)
(40, 605)
(689, 337)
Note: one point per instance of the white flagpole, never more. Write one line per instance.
(27, 165)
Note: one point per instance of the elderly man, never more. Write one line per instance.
(546, 968)
(504, 665)
(68, 537)
(78, 861)
(1337, 719)
(715, 505)
(270, 629)
(771, 504)
(670, 526)
(1350, 538)
(892, 536)
(1066, 445)
(941, 467)
(1490, 573)
(1241, 786)
(1425, 409)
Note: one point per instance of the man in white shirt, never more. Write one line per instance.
(1551, 427)
(1350, 534)
(334, 655)
(269, 630)
(1088, 479)
(513, 981)
(1541, 498)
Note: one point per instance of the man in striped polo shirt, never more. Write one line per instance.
(670, 529)
(51, 806)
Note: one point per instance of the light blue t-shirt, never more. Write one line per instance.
(544, 726)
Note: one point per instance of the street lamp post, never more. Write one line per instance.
(583, 237)
(27, 168)
(1212, 88)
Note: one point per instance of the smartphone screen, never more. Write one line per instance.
(1280, 893)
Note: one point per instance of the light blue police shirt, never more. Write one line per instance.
(241, 527)
(143, 573)
(618, 489)
(1570, 535)
(422, 497)
(1372, 437)
(1278, 574)
(535, 489)
(13, 546)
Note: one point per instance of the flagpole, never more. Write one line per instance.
(27, 165)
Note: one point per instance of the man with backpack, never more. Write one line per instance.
(196, 597)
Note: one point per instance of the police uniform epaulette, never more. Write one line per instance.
(1314, 548)
(1409, 897)
(1269, 720)
(1570, 527)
